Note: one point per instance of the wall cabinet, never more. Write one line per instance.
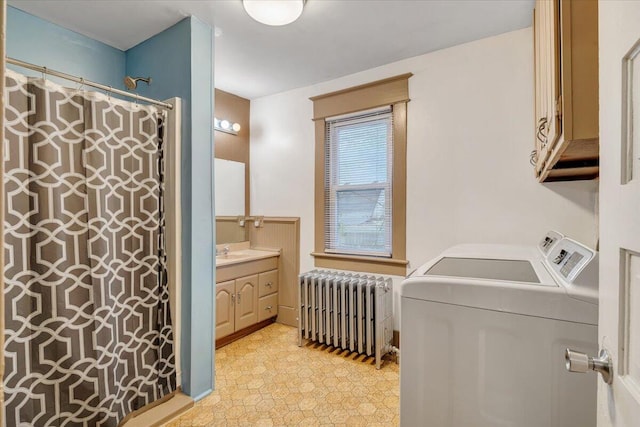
(566, 90)
(246, 303)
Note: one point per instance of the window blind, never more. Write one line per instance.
(359, 158)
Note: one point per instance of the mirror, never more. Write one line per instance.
(229, 187)
(230, 200)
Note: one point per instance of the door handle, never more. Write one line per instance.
(540, 134)
(581, 363)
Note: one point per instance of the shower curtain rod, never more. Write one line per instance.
(80, 80)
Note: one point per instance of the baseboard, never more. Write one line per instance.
(287, 316)
(160, 414)
(243, 332)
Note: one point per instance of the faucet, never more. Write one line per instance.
(224, 251)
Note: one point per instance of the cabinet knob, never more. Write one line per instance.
(233, 298)
(269, 284)
(239, 295)
(268, 308)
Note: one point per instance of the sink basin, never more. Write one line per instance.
(243, 255)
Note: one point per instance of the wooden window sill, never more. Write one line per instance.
(358, 263)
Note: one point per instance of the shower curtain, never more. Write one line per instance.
(88, 335)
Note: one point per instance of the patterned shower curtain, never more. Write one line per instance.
(87, 323)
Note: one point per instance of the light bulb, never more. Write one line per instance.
(236, 127)
(224, 124)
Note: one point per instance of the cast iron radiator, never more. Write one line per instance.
(346, 310)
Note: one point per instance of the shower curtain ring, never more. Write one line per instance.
(109, 93)
(44, 73)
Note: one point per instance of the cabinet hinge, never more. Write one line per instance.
(559, 107)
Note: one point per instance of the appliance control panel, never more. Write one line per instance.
(568, 258)
(549, 241)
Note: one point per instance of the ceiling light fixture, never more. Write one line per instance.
(274, 12)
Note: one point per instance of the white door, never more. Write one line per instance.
(619, 324)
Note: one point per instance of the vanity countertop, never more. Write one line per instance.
(244, 255)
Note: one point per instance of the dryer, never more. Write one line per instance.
(483, 331)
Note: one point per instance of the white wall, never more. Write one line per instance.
(470, 132)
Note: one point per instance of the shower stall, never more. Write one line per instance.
(91, 254)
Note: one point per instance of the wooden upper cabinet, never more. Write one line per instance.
(566, 89)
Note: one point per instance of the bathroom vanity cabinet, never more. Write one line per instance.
(566, 90)
(246, 298)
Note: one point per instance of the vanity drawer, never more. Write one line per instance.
(267, 307)
(233, 271)
(267, 283)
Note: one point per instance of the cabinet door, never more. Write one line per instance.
(539, 93)
(553, 72)
(225, 299)
(246, 301)
(547, 79)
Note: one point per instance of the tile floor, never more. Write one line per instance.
(265, 379)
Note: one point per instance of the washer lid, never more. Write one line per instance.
(461, 279)
(482, 268)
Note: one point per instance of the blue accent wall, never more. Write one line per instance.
(180, 60)
(40, 42)
(202, 209)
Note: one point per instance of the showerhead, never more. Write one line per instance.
(132, 82)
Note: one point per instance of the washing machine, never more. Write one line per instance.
(483, 332)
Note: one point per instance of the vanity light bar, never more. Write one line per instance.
(224, 125)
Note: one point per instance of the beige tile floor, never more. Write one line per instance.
(265, 379)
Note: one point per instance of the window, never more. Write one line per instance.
(360, 183)
(358, 189)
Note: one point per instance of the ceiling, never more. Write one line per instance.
(332, 38)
